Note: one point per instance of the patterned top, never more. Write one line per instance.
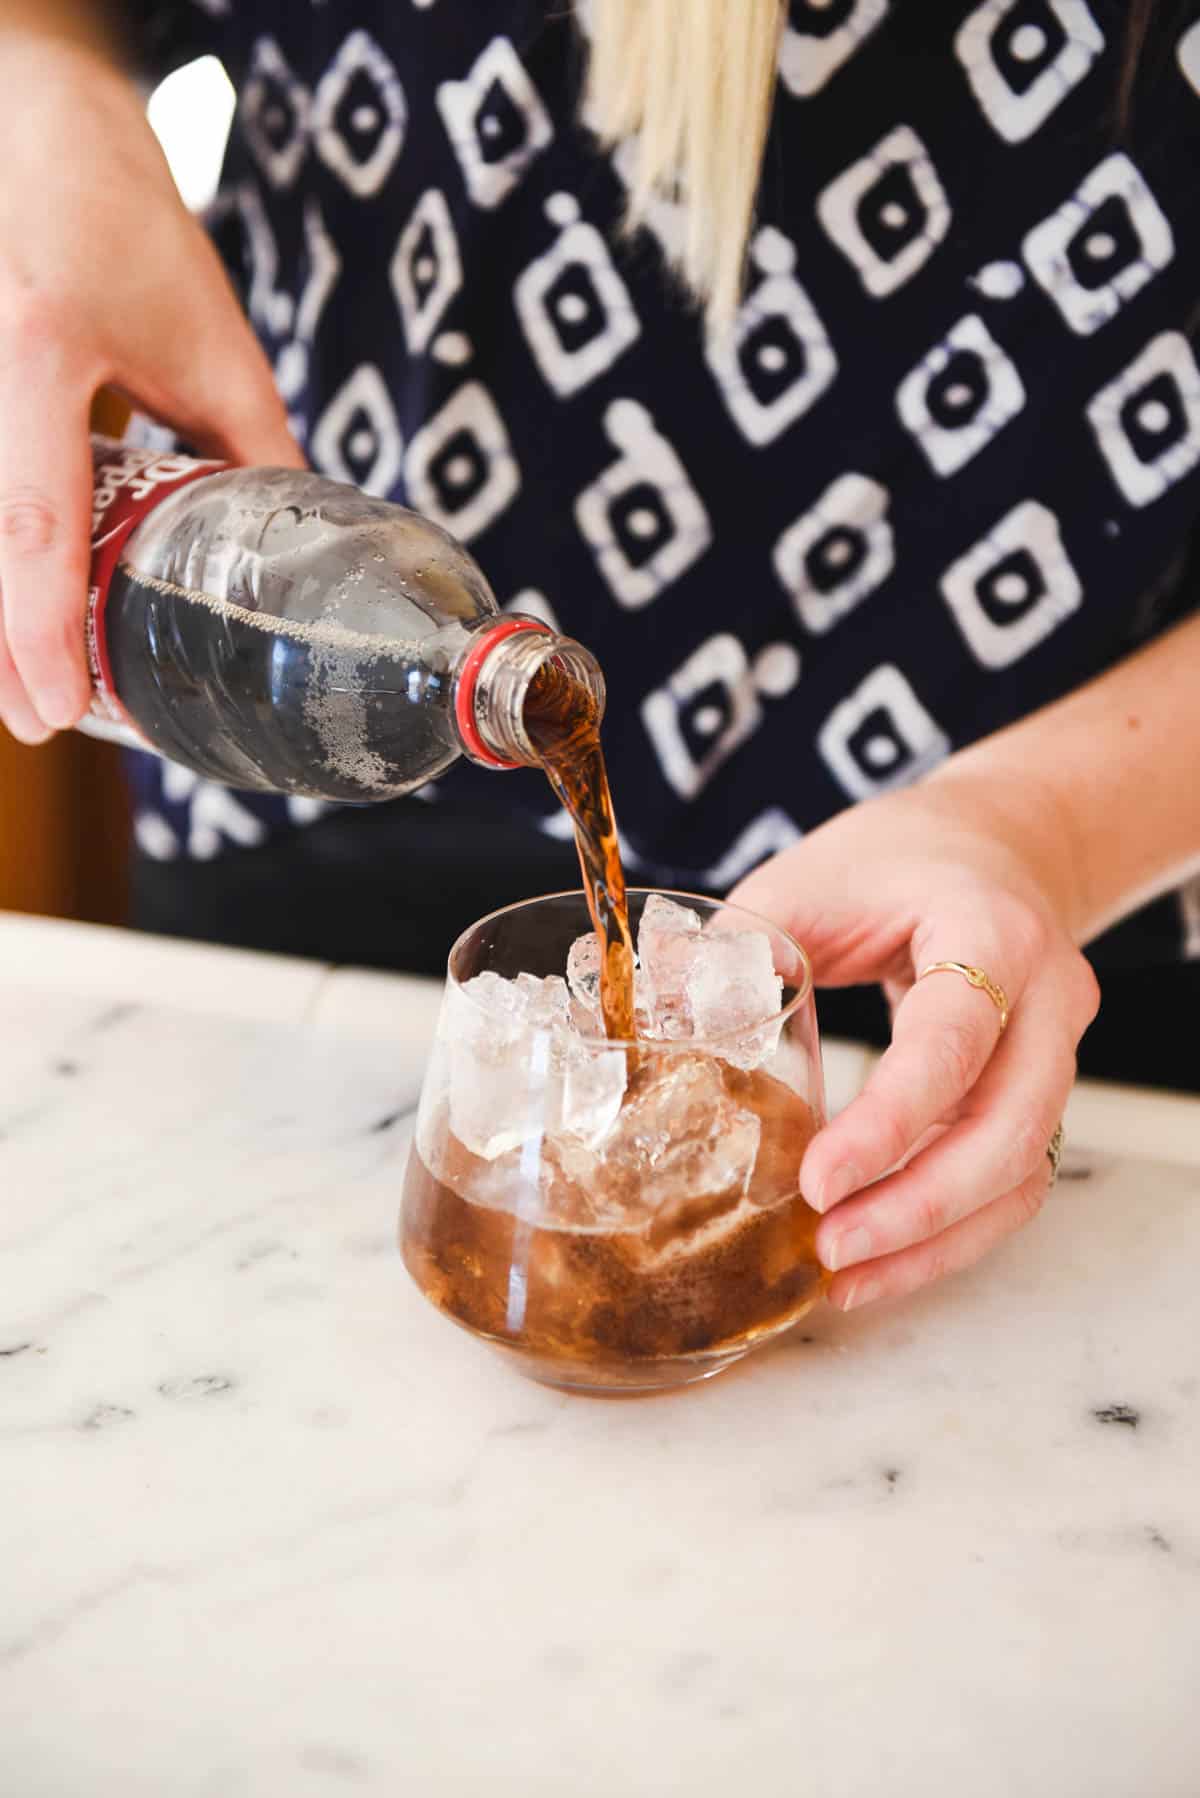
(944, 468)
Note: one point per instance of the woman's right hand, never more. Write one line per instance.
(105, 278)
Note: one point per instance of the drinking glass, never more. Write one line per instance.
(613, 1217)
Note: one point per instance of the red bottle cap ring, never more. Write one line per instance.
(464, 693)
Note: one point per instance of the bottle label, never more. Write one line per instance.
(128, 482)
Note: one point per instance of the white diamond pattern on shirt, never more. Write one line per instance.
(1098, 251)
(1024, 57)
(324, 270)
(959, 396)
(838, 552)
(358, 437)
(820, 36)
(360, 114)
(275, 110)
(1147, 421)
(1014, 588)
(460, 467)
(776, 361)
(496, 122)
(707, 709)
(426, 269)
(574, 308)
(881, 737)
(888, 212)
(642, 518)
(270, 306)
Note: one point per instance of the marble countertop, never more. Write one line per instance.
(269, 1526)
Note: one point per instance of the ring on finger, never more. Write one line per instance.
(975, 977)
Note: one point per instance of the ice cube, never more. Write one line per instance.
(668, 936)
(518, 1070)
(661, 913)
(583, 979)
(501, 1039)
(487, 1006)
(679, 1144)
(593, 1085)
(547, 1000)
(662, 920)
(732, 990)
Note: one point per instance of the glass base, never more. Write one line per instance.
(639, 1379)
(630, 1381)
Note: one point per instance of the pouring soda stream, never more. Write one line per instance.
(562, 718)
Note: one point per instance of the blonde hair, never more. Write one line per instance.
(689, 84)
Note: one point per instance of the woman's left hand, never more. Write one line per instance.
(944, 1153)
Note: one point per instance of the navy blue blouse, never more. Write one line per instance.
(945, 467)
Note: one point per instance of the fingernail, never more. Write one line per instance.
(846, 1249)
(841, 1183)
(58, 711)
(33, 736)
(863, 1292)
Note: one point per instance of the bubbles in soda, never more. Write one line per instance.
(266, 703)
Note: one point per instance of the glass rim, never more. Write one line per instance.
(799, 998)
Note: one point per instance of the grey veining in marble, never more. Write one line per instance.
(268, 1525)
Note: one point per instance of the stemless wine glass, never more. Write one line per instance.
(614, 1217)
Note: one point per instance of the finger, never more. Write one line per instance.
(45, 514)
(999, 1142)
(213, 383)
(943, 1035)
(959, 1247)
(16, 713)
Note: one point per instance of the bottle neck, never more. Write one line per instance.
(494, 682)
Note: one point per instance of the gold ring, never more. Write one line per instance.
(1054, 1149)
(976, 977)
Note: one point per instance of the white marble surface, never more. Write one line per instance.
(269, 1526)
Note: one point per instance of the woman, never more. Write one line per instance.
(868, 465)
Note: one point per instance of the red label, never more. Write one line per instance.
(127, 484)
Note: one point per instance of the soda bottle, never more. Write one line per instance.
(275, 630)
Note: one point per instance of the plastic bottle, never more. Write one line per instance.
(275, 630)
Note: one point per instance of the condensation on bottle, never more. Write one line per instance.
(278, 631)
